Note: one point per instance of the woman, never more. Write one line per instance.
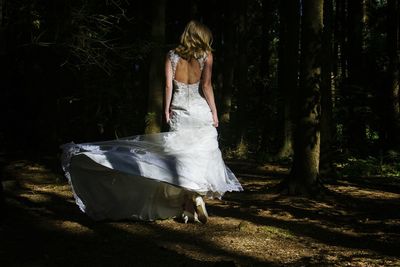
(162, 175)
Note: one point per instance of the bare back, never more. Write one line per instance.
(187, 87)
(188, 71)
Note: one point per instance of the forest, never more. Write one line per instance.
(307, 93)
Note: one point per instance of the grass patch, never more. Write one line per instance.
(370, 166)
(275, 231)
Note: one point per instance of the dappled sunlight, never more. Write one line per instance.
(254, 228)
(229, 238)
(72, 227)
(366, 193)
(62, 190)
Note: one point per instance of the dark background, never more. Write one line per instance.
(79, 71)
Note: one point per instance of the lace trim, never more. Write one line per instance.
(71, 149)
(174, 57)
(174, 60)
(202, 60)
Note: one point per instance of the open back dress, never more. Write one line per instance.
(145, 177)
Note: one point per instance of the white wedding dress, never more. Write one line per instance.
(145, 177)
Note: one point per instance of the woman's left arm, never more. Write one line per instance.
(208, 89)
(168, 88)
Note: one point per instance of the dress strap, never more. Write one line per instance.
(202, 60)
(174, 57)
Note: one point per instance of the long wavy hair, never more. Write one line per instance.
(195, 41)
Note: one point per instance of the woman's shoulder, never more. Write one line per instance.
(208, 56)
(172, 55)
(171, 52)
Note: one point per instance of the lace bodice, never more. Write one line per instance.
(189, 108)
(174, 57)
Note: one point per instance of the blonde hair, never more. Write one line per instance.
(195, 41)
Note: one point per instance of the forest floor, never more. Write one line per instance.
(356, 223)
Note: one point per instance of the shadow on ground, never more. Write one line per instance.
(356, 222)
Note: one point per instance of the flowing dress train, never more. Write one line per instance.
(145, 177)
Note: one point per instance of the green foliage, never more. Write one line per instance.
(384, 165)
(275, 231)
(152, 122)
(151, 118)
(100, 37)
(241, 151)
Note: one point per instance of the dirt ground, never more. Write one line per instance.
(356, 223)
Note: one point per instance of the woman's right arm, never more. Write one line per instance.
(168, 88)
(208, 89)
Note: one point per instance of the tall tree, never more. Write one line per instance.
(194, 9)
(229, 62)
(393, 96)
(339, 41)
(156, 73)
(355, 87)
(288, 68)
(2, 53)
(2, 28)
(327, 123)
(242, 69)
(303, 178)
(2, 32)
(264, 85)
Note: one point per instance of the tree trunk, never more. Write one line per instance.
(194, 9)
(340, 40)
(2, 12)
(264, 85)
(327, 124)
(303, 178)
(337, 46)
(229, 64)
(355, 87)
(156, 73)
(242, 99)
(288, 68)
(2, 29)
(393, 105)
(2, 56)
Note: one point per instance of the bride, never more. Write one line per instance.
(163, 175)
